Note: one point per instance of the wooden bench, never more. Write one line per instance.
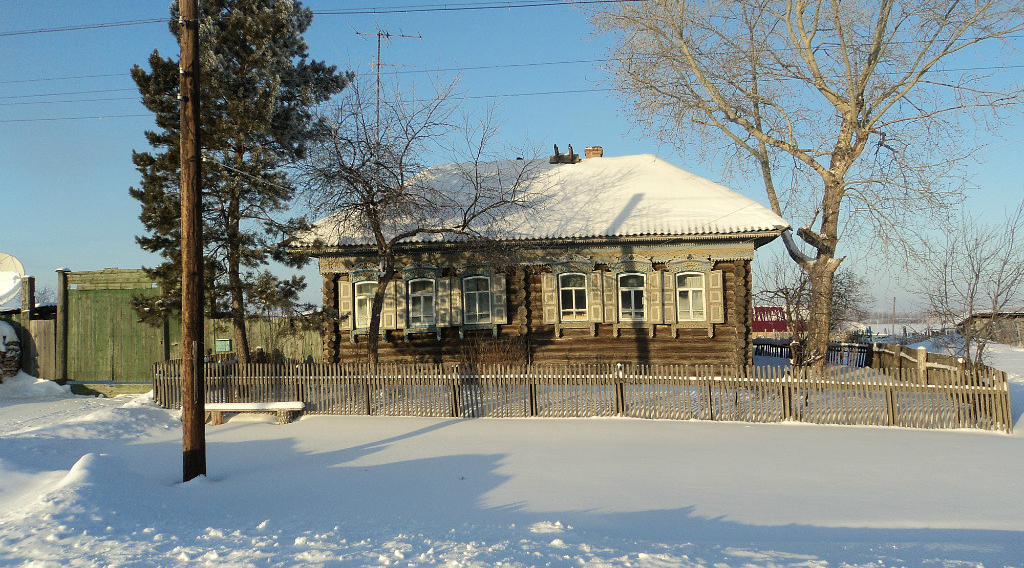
(286, 411)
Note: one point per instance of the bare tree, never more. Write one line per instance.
(785, 285)
(851, 112)
(369, 177)
(974, 277)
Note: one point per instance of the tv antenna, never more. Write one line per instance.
(383, 34)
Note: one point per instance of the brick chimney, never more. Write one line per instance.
(593, 151)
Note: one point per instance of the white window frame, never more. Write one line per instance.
(424, 319)
(362, 321)
(632, 314)
(471, 313)
(574, 313)
(685, 310)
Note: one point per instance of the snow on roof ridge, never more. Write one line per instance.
(612, 196)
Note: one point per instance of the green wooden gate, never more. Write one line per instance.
(106, 342)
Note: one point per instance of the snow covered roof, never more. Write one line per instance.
(626, 196)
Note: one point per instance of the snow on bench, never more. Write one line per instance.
(285, 410)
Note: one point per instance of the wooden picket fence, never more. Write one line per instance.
(839, 353)
(729, 393)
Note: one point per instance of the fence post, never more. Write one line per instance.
(457, 392)
(454, 382)
(366, 386)
(620, 403)
(532, 394)
(787, 396)
(890, 403)
(922, 364)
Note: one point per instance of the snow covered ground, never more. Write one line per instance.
(96, 482)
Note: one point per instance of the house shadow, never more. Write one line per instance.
(365, 491)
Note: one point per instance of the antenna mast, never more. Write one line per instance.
(383, 34)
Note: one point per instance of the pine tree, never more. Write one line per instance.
(258, 94)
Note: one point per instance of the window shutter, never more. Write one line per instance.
(669, 296)
(611, 303)
(716, 297)
(594, 303)
(402, 302)
(654, 306)
(499, 313)
(549, 297)
(387, 312)
(443, 301)
(456, 309)
(345, 305)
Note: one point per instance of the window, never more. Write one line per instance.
(572, 293)
(476, 292)
(421, 302)
(363, 302)
(631, 297)
(690, 296)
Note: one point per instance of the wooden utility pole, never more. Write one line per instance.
(193, 419)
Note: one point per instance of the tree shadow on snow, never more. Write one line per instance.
(368, 493)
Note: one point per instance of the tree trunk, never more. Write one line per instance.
(821, 275)
(235, 286)
(373, 335)
(373, 338)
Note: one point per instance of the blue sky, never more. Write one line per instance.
(64, 178)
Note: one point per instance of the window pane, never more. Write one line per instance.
(573, 281)
(476, 284)
(567, 299)
(690, 281)
(421, 286)
(581, 300)
(631, 281)
(627, 300)
(365, 288)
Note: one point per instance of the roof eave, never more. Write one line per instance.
(758, 238)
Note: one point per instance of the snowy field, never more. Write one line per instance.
(96, 482)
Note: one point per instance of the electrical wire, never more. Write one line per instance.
(410, 9)
(74, 118)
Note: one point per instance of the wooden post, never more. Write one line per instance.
(62, 326)
(890, 402)
(620, 403)
(922, 364)
(192, 345)
(28, 303)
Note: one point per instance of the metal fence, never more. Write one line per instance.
(838, 395)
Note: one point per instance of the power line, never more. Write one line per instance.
(542, 93)
(462, 7)
(68, 93)
(76, 118)
(70, 101)
(508, 95)
(502, 66)
(81, 27)
(470, 68)
(11, 81)
(409, 9)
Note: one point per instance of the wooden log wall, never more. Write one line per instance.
(703, 392)
(732, 343)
